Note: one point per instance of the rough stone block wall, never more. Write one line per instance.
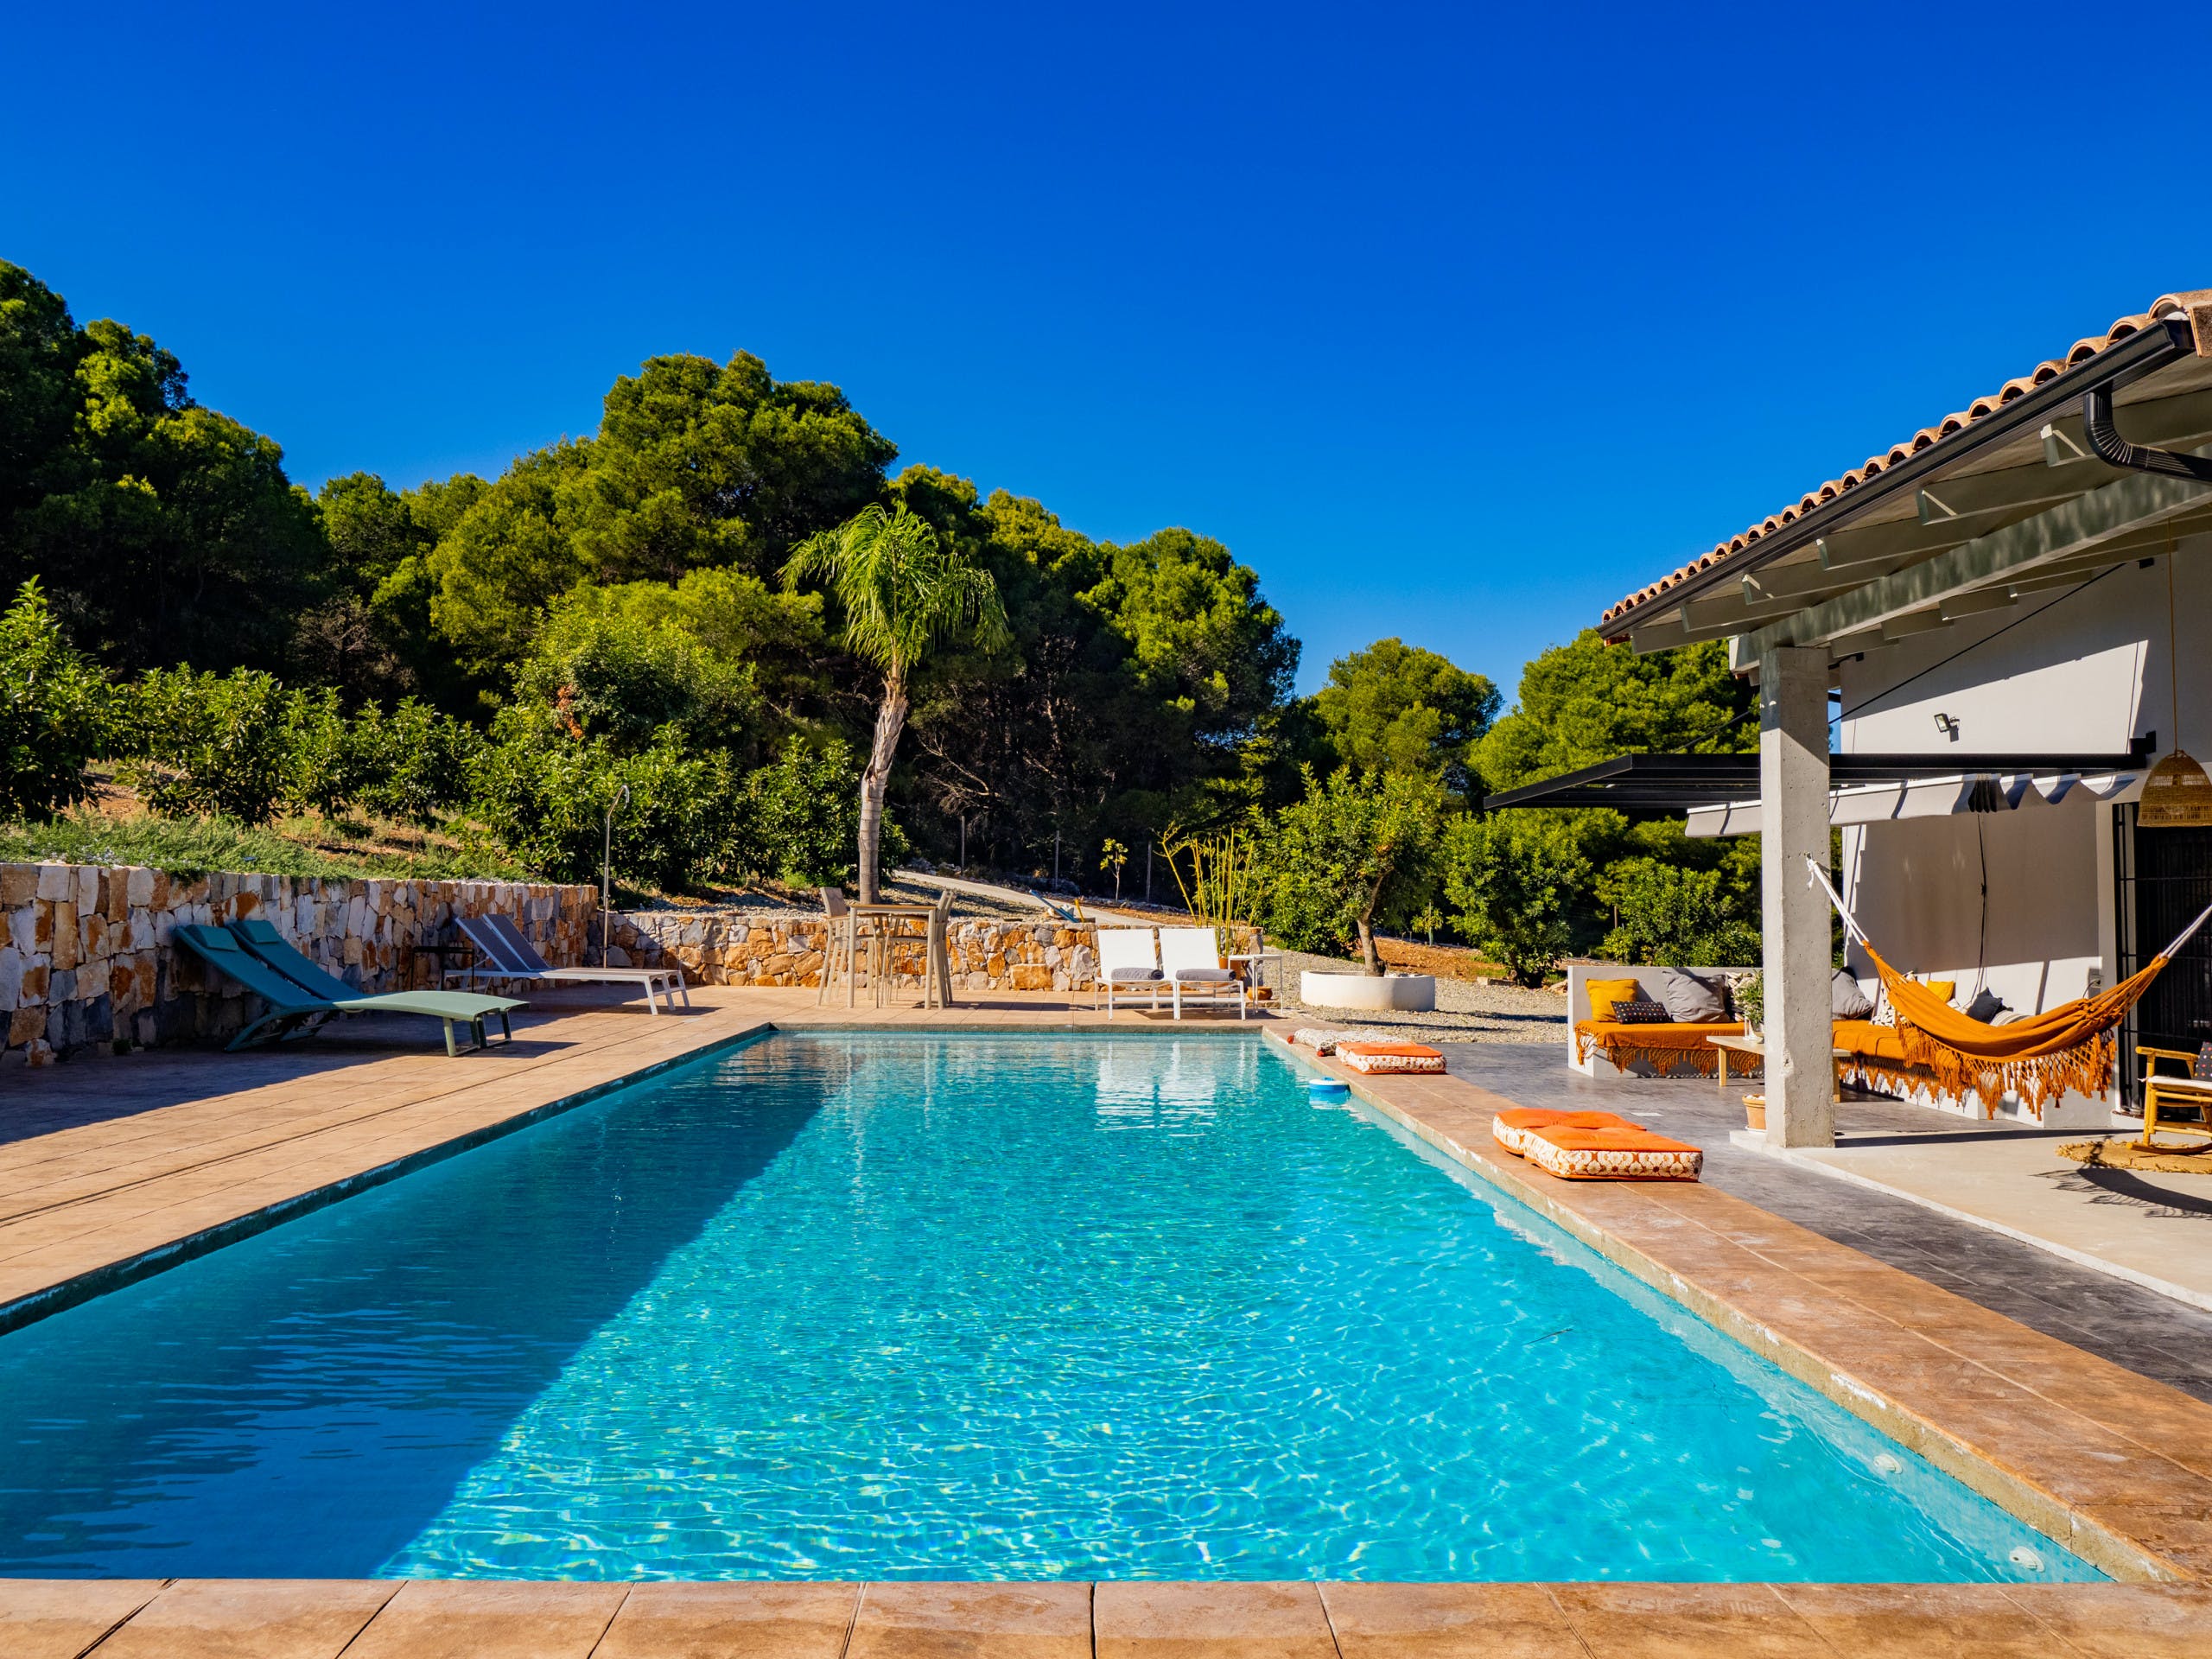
(86, 962)
(753, 947)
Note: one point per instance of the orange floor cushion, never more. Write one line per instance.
(1390, 1057)
(1511, 1128)
(1630, 1155)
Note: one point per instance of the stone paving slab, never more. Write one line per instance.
(486, 1619)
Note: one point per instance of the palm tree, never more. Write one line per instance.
(902, 591)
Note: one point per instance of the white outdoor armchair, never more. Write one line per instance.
(1126, 963)
(1190, 960)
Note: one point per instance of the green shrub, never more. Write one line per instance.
(1680, 918)
(1357, 854)
(214, 746)
(546, 803)
(1511, 878)
(412, 764)
(801, 818)
(52, 711)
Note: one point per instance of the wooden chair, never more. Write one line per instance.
(2165, 1091)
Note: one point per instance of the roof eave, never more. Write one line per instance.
(2150, 347)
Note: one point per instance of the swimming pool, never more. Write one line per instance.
(947, 1306)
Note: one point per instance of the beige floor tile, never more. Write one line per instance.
(1448, 1621)
(972, 1621)
(2123, 1621)
(732, 1621)
(481, 1619)
(1211, 1621)
(1687, 1621)
(250, 1618)
(1911, 1621)
(60, 1618)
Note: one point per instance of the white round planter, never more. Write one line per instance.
(1406, 993)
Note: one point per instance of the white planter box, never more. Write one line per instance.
(1406, 993)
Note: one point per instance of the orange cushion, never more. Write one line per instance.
(1511, 1128)
(1375, 1057)
(1630, 1155)
(1604, 993)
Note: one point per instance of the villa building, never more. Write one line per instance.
(1970, 650)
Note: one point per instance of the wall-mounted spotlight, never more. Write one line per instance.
(1947, 726)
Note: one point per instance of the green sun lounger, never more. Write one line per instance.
(296, 1011)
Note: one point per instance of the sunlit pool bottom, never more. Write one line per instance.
(952, 1305)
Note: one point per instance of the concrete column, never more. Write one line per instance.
(1793, 823)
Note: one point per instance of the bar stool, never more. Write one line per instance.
(841, 946)
(937, 970)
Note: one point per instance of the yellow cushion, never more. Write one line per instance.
(1604, 993)
(1946, 989)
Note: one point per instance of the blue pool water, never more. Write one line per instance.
(948, 1305)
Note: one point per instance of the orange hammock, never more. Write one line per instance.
(2038, 1058)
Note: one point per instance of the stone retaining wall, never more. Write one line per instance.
(86, 960)
(753, 947)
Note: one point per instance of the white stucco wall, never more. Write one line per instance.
(1917, 886)
(2078, 669)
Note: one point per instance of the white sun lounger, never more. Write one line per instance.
(1127, 963)
(505, 953)
(1191, 961)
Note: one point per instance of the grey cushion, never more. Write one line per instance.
(1140, 974)
(1206, 975)
(1845, 1000)
(1985, 1006)
(1690, 1001)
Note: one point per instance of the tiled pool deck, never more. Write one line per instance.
(108, 1167)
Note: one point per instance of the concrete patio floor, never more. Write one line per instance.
(119, 1165)
(1915, 1214)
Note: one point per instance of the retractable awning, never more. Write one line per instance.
(1932, 798)
(1662, 785)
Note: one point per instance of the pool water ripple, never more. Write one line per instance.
(946, 1305)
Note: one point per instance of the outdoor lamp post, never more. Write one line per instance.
(606, 873)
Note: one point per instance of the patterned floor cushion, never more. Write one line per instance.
(1612, 1156)
(1323, 1041)
(1390, 1057)
(1511, 1128)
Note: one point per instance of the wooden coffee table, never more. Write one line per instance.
(1756, 1047)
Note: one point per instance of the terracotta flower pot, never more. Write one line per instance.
(1755, 1112)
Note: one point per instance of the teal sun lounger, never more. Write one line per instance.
(303, 997)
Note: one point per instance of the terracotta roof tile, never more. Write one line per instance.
(2195, 304)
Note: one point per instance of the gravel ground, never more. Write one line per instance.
(1486, 1011)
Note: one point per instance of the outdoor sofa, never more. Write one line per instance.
(1673, 1047)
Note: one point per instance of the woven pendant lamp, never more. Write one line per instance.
(2176, 795)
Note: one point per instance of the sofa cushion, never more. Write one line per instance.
(1604, 993)
(1634, 1011)
(1985, 1006)
(1845, 1000)
(1691, 1000)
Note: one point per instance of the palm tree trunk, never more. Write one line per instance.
(890, 720)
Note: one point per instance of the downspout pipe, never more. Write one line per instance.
(2107, 444)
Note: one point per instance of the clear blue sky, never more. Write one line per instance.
(1454, 325)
